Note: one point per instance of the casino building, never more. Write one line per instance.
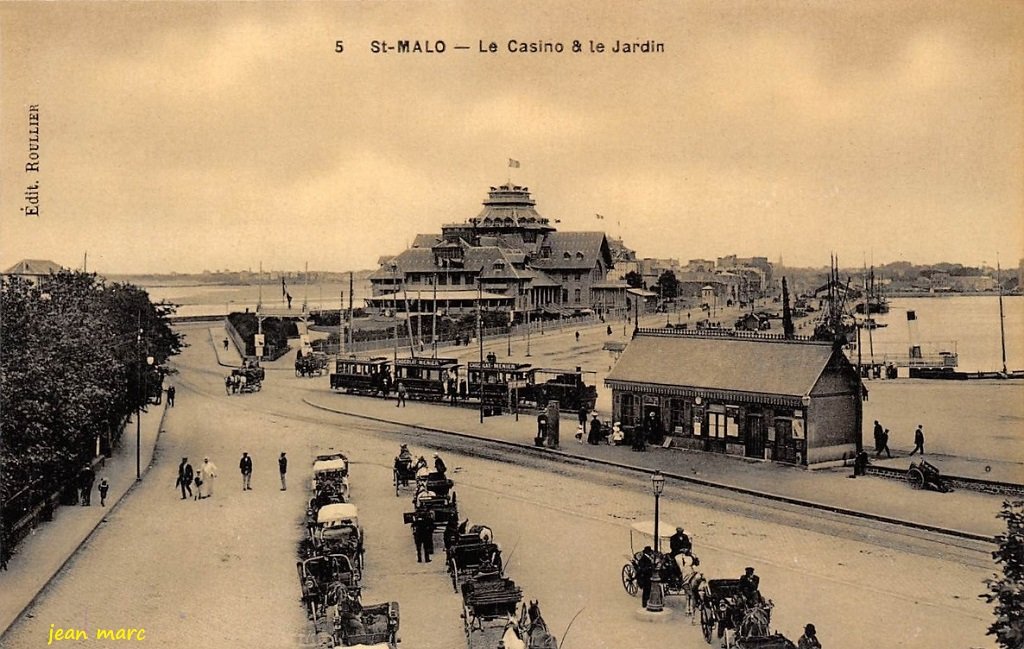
(792, 401)
(508, 257)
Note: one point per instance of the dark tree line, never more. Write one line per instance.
(1006, 591)
(72, 369)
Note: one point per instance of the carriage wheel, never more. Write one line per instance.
(916, 478)
(707, 621)
(312, 609)
(629, 580)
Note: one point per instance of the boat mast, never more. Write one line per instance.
(1002, 326)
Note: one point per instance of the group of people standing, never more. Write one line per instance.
(204, 478)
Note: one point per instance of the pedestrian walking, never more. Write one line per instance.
(198, 482)
(577, 336)
(170, 396)
(209, 470)
(579, 433)
(88, 478)
(400, 395)
(185, 476)
(423, 536)
(282, 468)
(463, 390)
(885, 444)
(452, 390)
(878, 431)
(245, 466)
(582, 416)
(103, 487)
(918, 440)
(809, 640)
(225, 344)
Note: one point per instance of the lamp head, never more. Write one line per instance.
(658, 482)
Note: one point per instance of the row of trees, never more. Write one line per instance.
(72, 369)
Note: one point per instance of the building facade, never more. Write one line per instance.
(509, 252)
(792, 401)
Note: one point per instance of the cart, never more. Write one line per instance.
(924, 475)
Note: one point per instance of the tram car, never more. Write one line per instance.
(426, 378)
(491, 382)
(567, 387)
(360, 375)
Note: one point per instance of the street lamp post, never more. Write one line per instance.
(143, 394)
(656, 602)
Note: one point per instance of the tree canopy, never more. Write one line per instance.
(72, 369)
(634, 279)
(1007, 591)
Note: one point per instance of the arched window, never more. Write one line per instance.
(576, 296)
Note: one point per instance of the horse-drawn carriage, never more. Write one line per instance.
(486, 601)
(724, 605)
(337, 531)
(471, 555)
(310, 363)
(243, 380)
(326, 579)
(404, 473)
(925, 475)
(360, 375)
(372, 625)
(675, 580)
(434, 498)
(330, 477)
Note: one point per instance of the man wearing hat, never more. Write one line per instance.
(439, 466)
(245, 466)
(750, 584)
(282, 467)
(680, 547)
(809, 640)
(185, 476)
(209, 472)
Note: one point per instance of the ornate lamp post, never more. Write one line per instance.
(656, 602)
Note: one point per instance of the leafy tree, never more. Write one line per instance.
(788, 330)
(70, 371)
(1007, 591)
(634, 279)
(668, 285)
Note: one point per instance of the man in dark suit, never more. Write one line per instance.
(88, 478)
(245, 466)
(423, 535)
(185, 477)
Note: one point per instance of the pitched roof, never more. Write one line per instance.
(760, 366)
(578, 250)
(426, 240)
(34, 267)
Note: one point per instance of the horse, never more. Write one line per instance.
(533, 627)
(697, 594)
(511, 637)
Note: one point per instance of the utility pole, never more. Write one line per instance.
(480, 339)
(350, 281)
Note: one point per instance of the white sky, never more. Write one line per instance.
(191, 136)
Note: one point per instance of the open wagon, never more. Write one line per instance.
(487, 605)
(373, 625)
(326, 580)
(471, 555)
(725, 607)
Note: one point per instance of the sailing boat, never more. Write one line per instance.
(876, 302)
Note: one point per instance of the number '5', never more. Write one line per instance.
(339, 46)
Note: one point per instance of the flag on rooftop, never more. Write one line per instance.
(513, 164)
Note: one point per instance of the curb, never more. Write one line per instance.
(114, 505)
(809, 504)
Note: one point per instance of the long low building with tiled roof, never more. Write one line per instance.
(792, 401)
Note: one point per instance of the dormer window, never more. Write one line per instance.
(579, 255)
(566, 255)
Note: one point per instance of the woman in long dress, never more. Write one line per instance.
(209, 471)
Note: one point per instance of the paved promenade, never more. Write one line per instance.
(963, 511)
(44, 552)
